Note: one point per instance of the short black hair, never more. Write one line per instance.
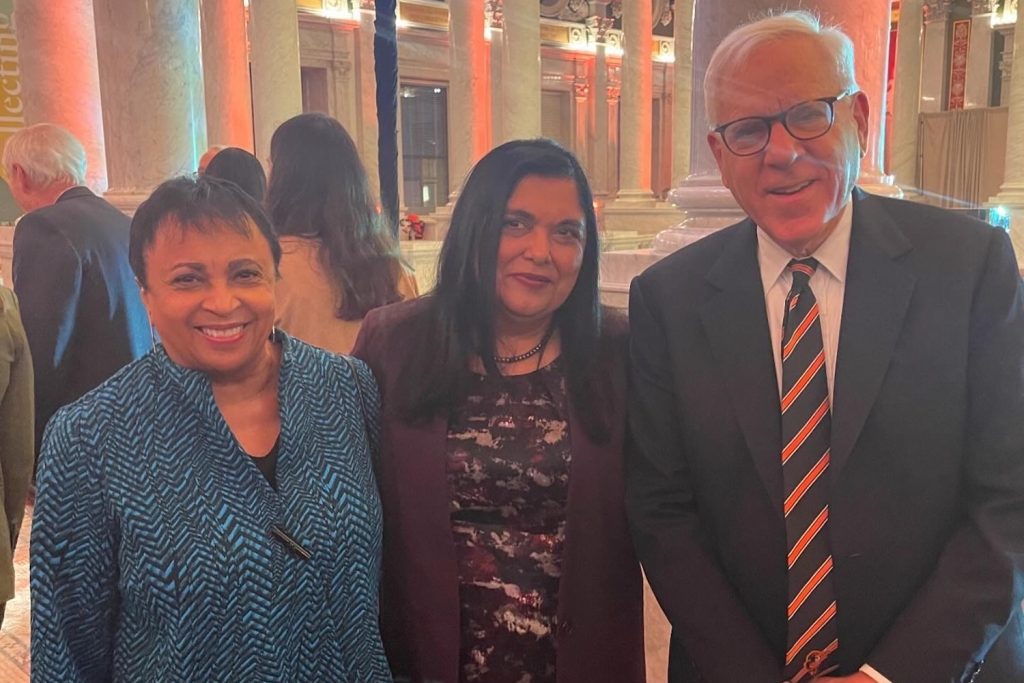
(240, 167)
(196, 203)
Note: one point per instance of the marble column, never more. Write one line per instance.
(276, 79)
(515, 52)
(152, 87)
(979, 55)
(367, 130)
(907, 95)
(59, 75)
(705, 201)
(469, 89)
(936, 55)
(581, 117)
(1005, 63)
(599, 160)
(635, 106)
(226, 73)
(867, 24)
(682, 89)
(1011, 193)
(613, 95)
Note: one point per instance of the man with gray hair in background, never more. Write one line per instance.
(79, 300)
(827, 402)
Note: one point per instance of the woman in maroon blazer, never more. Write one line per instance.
(507, 556)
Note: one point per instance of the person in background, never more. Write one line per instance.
(340, 259)
(210, 513)
(79, 300)
(828, 403)
(208, 156)
(507, 553)
(242, 168)
(17, 455)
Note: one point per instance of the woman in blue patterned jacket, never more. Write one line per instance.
(210, 513)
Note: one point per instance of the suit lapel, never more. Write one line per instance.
(878, 291)
(737, 326)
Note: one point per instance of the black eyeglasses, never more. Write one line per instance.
(804, 121)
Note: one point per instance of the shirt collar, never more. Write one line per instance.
(833, 254)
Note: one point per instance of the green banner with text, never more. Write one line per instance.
(12, 114)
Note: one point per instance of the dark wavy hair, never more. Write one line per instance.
(240, 167)
(464, 302)
(319, 189)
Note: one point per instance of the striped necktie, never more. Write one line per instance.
(806, 428)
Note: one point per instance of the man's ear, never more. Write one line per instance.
(18, 176)
(861, 116)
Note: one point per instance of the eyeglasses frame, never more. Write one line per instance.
(781, 118)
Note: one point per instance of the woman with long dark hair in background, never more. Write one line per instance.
(240, 167)
(339, 260)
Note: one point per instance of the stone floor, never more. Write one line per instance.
(14, 635)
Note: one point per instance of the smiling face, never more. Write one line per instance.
(794, 189)
(540, 252)
(210, 296)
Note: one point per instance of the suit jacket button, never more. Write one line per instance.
(565, 628)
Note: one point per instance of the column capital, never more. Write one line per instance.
(980, 8)
(598, 28)
(614, 90)
(581, 88)
(367, 4)
(494, 13)
(937, 10)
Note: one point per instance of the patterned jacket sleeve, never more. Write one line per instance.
(74, 568)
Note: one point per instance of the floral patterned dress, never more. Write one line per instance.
(508, 458)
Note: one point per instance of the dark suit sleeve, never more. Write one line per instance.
(952, 621)
(707, 617)
(48, 281)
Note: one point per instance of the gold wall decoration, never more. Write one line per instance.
(431, 16)
(554, 33)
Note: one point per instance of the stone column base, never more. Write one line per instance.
(634, 198)
(884, 185)
(646, 219)
(126, 200)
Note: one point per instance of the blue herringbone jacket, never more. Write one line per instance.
(151, 553)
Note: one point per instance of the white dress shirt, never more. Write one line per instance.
(829, 286)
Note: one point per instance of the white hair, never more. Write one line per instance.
(738, 45)
(48, 154)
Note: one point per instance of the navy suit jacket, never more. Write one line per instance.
(926, 479)
(79, 300)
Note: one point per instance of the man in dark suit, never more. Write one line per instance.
(79, 300)
(827, 403)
